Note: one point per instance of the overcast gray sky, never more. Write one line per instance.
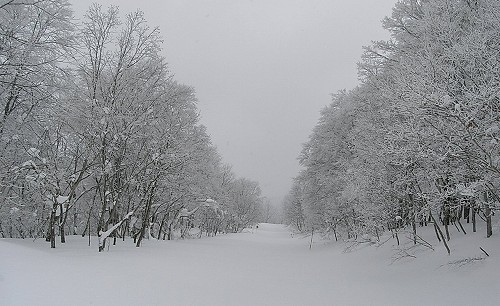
(262, 70)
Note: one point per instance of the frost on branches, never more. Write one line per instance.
(417, 142)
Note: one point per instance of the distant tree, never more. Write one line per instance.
(270, 213)
(293, 209)
(246, 203)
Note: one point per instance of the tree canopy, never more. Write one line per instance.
(98, 138)
(418, 139)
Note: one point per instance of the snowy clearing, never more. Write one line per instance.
(266, 266)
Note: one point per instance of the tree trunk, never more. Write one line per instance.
(145, 222)
(62, 221)
(467, 213)
(11, 234)
(473, 212)
(436, 226)
(169, 236)
(437, 234)
(53, 234)
(87, 226)
(102, 243)
(461, 227)
(161, 227)
(413, 223)
(414, 232)
(312, 234)
(487, 212)
(89, 229)
(52, 225)
(61, 231)
(447, 221)
(52, 237)
(126, 229)
(75, 218)
(47, 236)
(1, 230)
(104, 235)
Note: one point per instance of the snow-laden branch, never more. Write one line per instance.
(104, 235)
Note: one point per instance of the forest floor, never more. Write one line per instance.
(264, 266)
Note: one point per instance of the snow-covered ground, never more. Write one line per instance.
(264, 267)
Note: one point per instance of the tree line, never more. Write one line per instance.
(97, 137)
(417, 142)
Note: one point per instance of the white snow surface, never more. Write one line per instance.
(265, 266)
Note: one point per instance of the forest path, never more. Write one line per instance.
(263, 266)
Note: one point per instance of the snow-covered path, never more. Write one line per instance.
(263, 267)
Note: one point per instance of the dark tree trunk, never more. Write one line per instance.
(103, 222)
(1, 230)
(437, 234)
(75, 218)
(467, 213)
(487, 212)
(89, 229)
(102, 244)
(145, 223)
(52, 225)
(169, 236)
(414, 232)
(62, 233)
(53, 235)
(126, 229)
(414, 216)
(473, 212)
(47, 236)
(461, 227)
(162, 223)
(312, 235)
(487, 215)
(436, 226)
(447, 221)
(62, 221)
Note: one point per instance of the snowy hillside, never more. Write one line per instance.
(265, 266)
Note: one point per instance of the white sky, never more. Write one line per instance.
(262, 70)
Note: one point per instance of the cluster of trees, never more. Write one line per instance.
(418, 141)
(97, 138)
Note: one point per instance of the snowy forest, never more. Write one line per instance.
(112, 191)
(98, 138)
(417, 142)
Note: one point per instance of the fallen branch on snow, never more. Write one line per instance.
(465, 261)
(484, 251)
